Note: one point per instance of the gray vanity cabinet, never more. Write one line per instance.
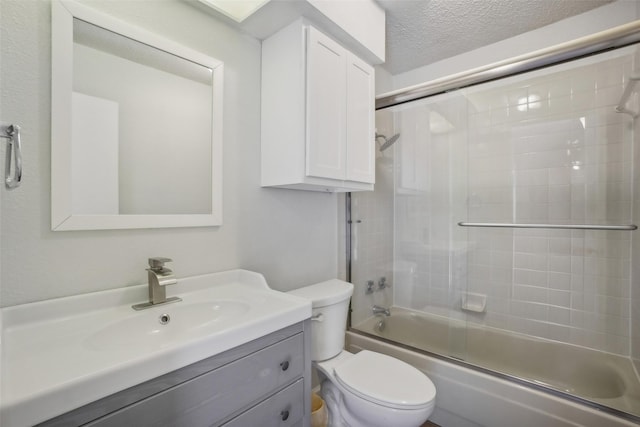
(265, 382)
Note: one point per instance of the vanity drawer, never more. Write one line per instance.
(216, 395)
(283, 409)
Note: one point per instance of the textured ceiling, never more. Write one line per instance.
(420, 32)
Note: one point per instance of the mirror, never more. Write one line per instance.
(136, 127)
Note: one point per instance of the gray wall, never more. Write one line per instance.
(290, 236)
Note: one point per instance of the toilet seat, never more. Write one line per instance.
(385, 381)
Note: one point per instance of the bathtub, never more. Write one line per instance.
(522, 380)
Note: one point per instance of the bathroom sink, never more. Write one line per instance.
(163, 325)
(58, 355)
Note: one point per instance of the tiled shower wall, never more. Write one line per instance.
(542, 148)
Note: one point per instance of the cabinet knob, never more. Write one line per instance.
(284, 415)
(284, 365)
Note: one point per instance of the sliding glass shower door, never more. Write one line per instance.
(500, 232)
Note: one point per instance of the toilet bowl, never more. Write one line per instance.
(367, 388)
(373, 389)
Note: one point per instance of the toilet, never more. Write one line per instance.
(367, 388)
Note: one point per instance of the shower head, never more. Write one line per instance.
(388, 142)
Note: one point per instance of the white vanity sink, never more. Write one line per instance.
(61, 354)
(163, 326)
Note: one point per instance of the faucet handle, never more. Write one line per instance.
(382, 283)
(157, 263)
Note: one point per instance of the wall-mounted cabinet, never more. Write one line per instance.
(317, 113)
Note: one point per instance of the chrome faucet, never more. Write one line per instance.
(159, 277)
(380, 310)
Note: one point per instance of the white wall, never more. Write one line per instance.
(290, 236)
(384, 80)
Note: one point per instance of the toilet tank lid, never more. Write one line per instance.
(325, 293)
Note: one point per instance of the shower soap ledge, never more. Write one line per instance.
(476, 303)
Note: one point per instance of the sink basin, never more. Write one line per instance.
(161, 326)
(58, 355)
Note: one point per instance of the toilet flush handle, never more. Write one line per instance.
(317, 318)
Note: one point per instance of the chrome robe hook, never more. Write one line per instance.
(12, 134)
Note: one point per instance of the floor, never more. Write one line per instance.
(429, 424)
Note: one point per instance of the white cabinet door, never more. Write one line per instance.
(317, 113)
(360, 120)
(326, 89)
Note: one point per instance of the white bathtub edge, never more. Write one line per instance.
(469, 398)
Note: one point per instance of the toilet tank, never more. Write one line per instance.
(330, 305)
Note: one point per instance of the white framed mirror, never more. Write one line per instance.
(136, 127)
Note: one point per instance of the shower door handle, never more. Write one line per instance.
(623, 227)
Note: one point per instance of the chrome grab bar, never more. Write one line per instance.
(551, 226)
(12, 134)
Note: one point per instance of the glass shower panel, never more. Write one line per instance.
(549, 148)
(548, 306)
(403, 233)
(430, 183)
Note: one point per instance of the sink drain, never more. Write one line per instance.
(164, 319)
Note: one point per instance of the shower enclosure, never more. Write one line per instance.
(501, 230)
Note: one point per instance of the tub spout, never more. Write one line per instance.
(380, 310)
